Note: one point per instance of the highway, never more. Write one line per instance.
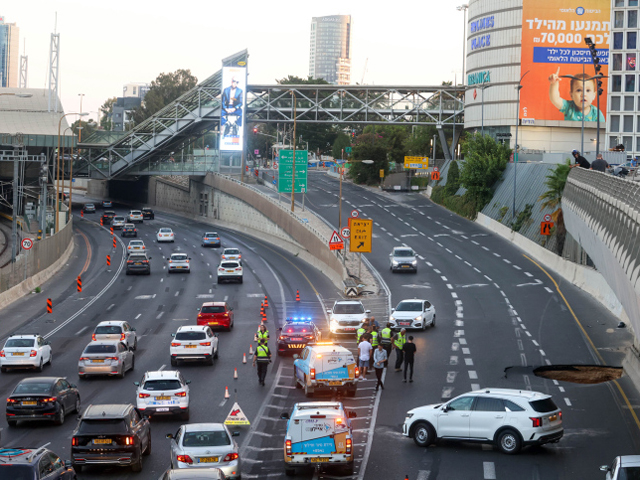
(496, 308)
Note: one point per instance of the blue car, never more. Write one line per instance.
(211, 239)
(35, 463)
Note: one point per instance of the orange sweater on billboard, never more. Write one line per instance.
(553, 35)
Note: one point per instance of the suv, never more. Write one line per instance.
(117, 222)
(107, 216)
(111, 434)
(296, 333)
(138, 263)
(135, 216)
(229, 270)
(510, 419)
(179, 262)
(347, 316)
(25, 351)
(42, 398)
(129, 229)
(194, 343)
(413, 314)
(34, 464)
(403, 259)
(622, 468)
(216, 314)
(147, 214)
(116, 330)
(211, 239)
(164, 392)
(325, 366)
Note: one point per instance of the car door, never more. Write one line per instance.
(487, 416)
(67, 394)
(175, 446)
(139, 428)
(130, 334)
(126, 355)
(453, 418)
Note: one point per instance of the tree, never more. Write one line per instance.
(342, 141)
(369, 146)
(166, 88)
(88, 128)
(453, 179)
(107, 110)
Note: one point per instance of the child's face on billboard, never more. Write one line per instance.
(581, 100)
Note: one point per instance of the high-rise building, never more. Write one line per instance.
(9, 54)
(330, 51)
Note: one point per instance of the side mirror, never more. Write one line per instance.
(173, 334)
(352, 414)
(149, 258)
(47, 343)
(215, 335)
(296, 356)
(168, 435)
(131, 349)
(188, 382)
(133, 329)
(285, 416)
(168, 258)
(445, 408)
(198, 309)
(393, 309)
(137, 384)
(68, 464)
(73, 385)
(367, 312)
(328, 311)
(235, 434)
(604, 468)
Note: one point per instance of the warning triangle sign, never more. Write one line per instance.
(236, 416)
(335, 239)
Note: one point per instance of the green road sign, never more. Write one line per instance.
(285, 171)
(347, 149)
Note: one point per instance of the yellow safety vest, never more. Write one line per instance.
(374, 339)
(400, 341)
(385, 336)
(262, 336)
(262, 353)
(361, 331)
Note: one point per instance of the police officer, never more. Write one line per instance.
(261, 334)
(263, 359)
(385, 341)
(374, 336)
(362, 330)
(399, 339)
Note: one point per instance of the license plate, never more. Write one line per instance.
(405, 323)
(207, 459)
(179, 267)
(553, 418)
(190, 346)
(162, 409)
(318, 460)
(405, 266)
(18, 354)
(164, 397)
(213, 323)
(97, 361)
(350, 329)
(229, 271)
(138, 263)
(335, 383)
(29, 402)
(296, 339)
(101, 441)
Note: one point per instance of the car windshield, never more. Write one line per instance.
(190, 336)
(129, 225)
(136, 243)
(409, 307)
(89, 205)
(231, 251)
(108, 426)
(19, 343)
(100, 349)
(543, 406)
(109, 212)
(146, 209)
(403, 253)
(297, 329)
(108, 330)
(206, 439)
(32, 387)
(214, 309)
(629, 473)
(118, 219)
(230, 265)
(165, 230)
(135, 212)
(181, 257)
(164, 384)
(348, 308)
(17, 472)
(138, 258)
(210, 235)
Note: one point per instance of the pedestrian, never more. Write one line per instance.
(373, 322)
(409, 351)
(364, 349)
(261, 334)
(399, 339)
(580, 160)
(362, 330)
(600, 164)
(379, 362)
(385, 341)
(262, 358)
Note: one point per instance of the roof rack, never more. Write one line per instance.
(10, 456)
(37, 451)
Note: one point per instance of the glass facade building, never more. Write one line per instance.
(9, 54)
(330, 49)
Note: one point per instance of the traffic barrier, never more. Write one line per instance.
(244, 358)
(262, 314)
(101, 222)
(49, 306)
(108, 260)
(114, 242)
(82, 213)
(266, 302)
(297, 295)
(79, 282)
(235, 373)
(111, 230)
(226, 392)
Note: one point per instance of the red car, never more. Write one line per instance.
(216, 314)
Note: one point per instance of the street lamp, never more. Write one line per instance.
(463, 8)
(58, 167)
(368, 162)
(515, 152)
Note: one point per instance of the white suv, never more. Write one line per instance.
(194, 342)
(135, 216)
(164, 392)
(347, 316)
(25, 351)
(510, 419)
(230, 270)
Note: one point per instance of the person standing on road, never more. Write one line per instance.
(409, 351)
(399, 340)
(364, 349)
(374, 336)
(385, 341)
(362, 330)
(263, 359)
(379, 362)
(261, 334)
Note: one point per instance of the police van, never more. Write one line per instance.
(318, 436)
(325, 366)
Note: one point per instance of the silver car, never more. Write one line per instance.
(403, 259)
(116, 330)
(206, 445)
(106, 357)
(135, 216)
(199, 474)
(231, 254)
(118, 222)
(179, 262)
(136, 246)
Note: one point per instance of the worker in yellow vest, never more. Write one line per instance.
(261, 334)
(362, 330)
(262, 358)
(385, 340)
(399, 339)
(374, 336)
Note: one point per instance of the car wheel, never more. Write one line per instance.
(424, 325)
(135, 344)
(50, 362)
(509, 442)
(59, 420)
(174, 362)
(289, 472)
(12, 423)
(185, 415)
(133, 363)
(308, 392)
(219, 281)
(351, 392)
(433, 322)
(240, 279)
(137, 467)
(122, 371)
(348, 470)
(76, 408)
(210, 360)
(41, 367)
(76, 467)
(147, 451)
(423, 434)
(215, 355)
(3, 369)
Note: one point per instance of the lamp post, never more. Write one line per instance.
(463, 8)
(482, 88)
(81, 95)
(58, 168)
(515, 151)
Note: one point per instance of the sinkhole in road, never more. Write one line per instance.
(584, 374)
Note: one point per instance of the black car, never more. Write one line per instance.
(296, 333)
(107, 216)
(42, 398)
(19, 463)
(138, 263)
(111, 434)
(147, 214)
(129, 230)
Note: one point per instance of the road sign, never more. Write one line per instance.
(381, 173)
(336, 242)
(236, 416)
(348, 149)
(352, 291)
(355, 213)
(547, 218)
(361, 234)
(545, 228)
(256, 151)
(27, 243)
(419, 163)
(345, 232)
(285, 171)
(435, 175)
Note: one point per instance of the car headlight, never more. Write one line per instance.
(395, 262)
(392, 319)
(409, 415)
(415, 262)
(418, 318)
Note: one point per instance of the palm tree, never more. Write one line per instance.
(556, 181)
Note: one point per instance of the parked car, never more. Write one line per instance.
(138, 263)
(129, 230)
(230, 270)
(164, 392)
(179, 262)
(34, 464)
(30, 351)
(147, 214)
(216, 314)
(297, 333)
(413, 313)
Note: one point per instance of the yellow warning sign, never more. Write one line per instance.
(418, 163)
(236, 416)
(361, 234)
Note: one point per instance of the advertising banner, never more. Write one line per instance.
(553, 45)
(234, 92)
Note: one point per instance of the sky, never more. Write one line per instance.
(106, 44)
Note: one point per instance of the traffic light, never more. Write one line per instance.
(255, 130)
(353, 133)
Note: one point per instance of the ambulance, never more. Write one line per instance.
(318, 436)
(325, 366)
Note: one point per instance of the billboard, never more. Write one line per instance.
(553, 35)
(234, 92)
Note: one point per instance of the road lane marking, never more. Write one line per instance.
(489, 469)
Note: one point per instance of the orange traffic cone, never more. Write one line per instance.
(226, 392)
(266, 302)
(82, 213)
(297, 295)
(250, 349)
(101, 222)
(244, 358)
(235, 373)
(262, 314)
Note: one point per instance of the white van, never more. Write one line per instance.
(325, 366)
(318, 436)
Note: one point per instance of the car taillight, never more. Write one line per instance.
(129, 262)
(230, 456)
(33, 353)
(11, 400)
(122, 337)
(239, 256)
(48, 400)
(185, 459)
(205, 344)
(144, 395)
(221, 269)
(287, 447)
(2, 353)
(93, 336)
(312, 373)
(175, 344)
(238, 269)
(112, 358)
(84, 358)
(169, 261)
(226, 315)
(187, 261)
(144, 248)
(281, 337)
(74, 442)
(128, 440)
(349, 445)
(310, 337)
(537, 422)
(357, 372)
(181, 394)
(560, 415)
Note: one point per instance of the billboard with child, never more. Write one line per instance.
(553, 46)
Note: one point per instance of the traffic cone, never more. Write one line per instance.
(244, 358)
(235, 373)
(250, 349)
(262, 314)
(226, 392)
(297, 295)
(266, 302)
(82, 213)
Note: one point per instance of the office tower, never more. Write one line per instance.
(330, 52)
(9, 54)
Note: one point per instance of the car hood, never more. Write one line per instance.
(406, 315)
(404, 259)
(425, 410)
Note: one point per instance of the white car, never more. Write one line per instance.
(116, 330)
(194, 342)
(25, 351)
(231, 254)
(508, 418)
(118, 222)
(230, 270)
(106, 357)
(403, 259)
(165, 234)
(625, 467)
(135, 216)
(179, 262)
(206, 445)
(164, 392)
(136, 246)
(413, 313)
(347, 316)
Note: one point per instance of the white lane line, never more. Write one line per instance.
(497, 254)
(468, 362)
(430, 264)
(528, 274)
(423, 474)
(487, 277)
(466, 351)
(449, 286)
(474, 242)
(226, 297)
(475, 386)
(517, 267)
(81, 330)
(477, 270)
(567, 401)
(111, 306)
(138, 316)
(383, 229)
(454, 294)
(561, 389)
(177, 293)
(458, 257)
(448, 250)
(159, 315)
(542, 353)
(473, 375)
(489, 469)
(548, 289)
(535, 343)
(444, 279)
(468, 263)
(465, 237)
(506, 261)
(161, 280)
(485, 248)
(435, 269)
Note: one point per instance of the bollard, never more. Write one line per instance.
(266, 302)
(297, 295)
(114, 242)
(49, 306)
(108, 261)
(111, 229)
(82, 213)
(79, 282)
(101, 222)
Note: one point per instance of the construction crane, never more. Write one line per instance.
(364, 71)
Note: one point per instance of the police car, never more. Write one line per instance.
(296, 333)
(325, 366)
(318, 434)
